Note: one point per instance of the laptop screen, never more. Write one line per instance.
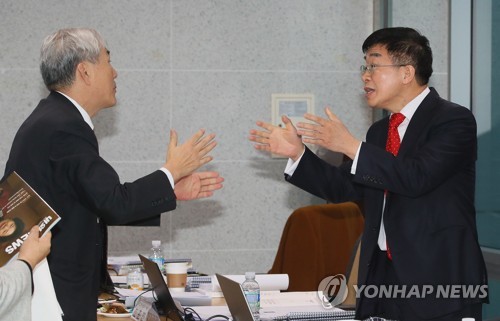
(165, 300)
(235, 299)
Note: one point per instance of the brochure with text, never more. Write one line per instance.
(20, 209)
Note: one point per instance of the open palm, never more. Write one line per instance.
(197, 185)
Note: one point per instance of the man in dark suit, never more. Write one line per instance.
(415, 179)
(56, 152)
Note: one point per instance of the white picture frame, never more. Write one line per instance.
(292, 105)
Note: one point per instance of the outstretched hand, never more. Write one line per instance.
(277, 140)
(197, 185)
(329, 133)
(184, 159)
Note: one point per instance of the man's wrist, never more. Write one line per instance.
(353, 148)
(299, 155)
(169, 176)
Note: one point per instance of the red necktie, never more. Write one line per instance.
(393, 141)
(392, 146)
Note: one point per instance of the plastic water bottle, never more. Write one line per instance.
(252, 293)
(157, 255)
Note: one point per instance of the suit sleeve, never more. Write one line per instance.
(76, 162)
(319, 178)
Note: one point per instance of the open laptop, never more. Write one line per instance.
(240, 310)
(165, 303)
(235, 299)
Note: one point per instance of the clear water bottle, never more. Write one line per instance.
(252, 293)
(135, 279)
(157, 255)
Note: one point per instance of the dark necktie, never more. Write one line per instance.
(392, 146)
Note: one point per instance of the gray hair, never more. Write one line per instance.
(63, 50)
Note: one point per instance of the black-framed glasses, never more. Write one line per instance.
(372, 67)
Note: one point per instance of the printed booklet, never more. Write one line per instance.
(20, 209)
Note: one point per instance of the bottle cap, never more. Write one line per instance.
(250, 275)
(156, 243)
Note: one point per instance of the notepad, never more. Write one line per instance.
(320, 316)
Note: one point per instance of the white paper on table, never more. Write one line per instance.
(122, 279)
(265, 313)
(124, 260)
(44, 304)
(287, 299)
(267, 282)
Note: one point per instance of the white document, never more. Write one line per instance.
(265, 313)
(267, 282)
(122, 279)
(44, 304)
(269, 299)
(123, 260)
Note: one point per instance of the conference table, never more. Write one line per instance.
(215, 301)
(279, 303)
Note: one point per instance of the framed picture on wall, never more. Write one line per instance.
(292, 105)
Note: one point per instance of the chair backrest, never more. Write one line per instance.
(317, 242)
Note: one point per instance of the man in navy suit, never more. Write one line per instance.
(416, 181)
(56, 152)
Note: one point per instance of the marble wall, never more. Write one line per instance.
(187, 64)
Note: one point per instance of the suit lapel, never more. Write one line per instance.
(381, 133)
(420, 119)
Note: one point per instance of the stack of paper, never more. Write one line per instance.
(267, 282)
(276, 306)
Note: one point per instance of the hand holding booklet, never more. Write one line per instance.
(20, 209)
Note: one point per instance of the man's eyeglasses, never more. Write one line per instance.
(371, 68)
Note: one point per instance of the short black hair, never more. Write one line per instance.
(405, 46)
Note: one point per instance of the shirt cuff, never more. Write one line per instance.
(169, 176)
(355, 161)
(291, 166)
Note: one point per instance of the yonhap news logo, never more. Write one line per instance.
(449, 291)
(332, 291)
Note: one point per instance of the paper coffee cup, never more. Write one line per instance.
(176, 276)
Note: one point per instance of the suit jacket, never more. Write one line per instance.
(57, 153)
(429, 215)
(15, 291)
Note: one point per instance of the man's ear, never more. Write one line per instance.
(408, 73)
(83, 72)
